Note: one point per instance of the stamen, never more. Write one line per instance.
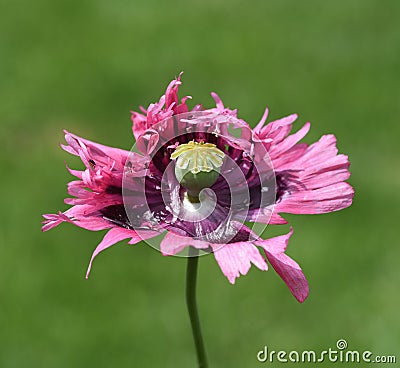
(196, 157)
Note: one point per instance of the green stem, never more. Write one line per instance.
(191, 277)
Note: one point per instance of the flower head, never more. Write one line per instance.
(198, 175)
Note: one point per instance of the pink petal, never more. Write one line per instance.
(289, 142)
(278, 129)
(173, 244)
(317, 153)
(287, 268)
(277, 244)
(78, 215)
(139, 123)
(291, 274)
(263, 216)
(277, 220)
(327, 199)
(218, 101)
(147, 141)
(171, 94)
(76, 173)
(261, 123)
(288, 160)
(115, 235)
(235, 259)
(96, 151)
(331, 176)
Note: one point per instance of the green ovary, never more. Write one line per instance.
(197, 166)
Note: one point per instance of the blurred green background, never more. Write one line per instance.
(83, 65)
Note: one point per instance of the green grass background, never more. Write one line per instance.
(83, 65)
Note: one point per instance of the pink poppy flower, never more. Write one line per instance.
(198, 175)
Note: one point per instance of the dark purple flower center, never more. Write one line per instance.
(203, 184)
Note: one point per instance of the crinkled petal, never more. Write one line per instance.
(323, 200)
(277, 130)
(261, 123)
(291, 274)
(285, 162)
(115, 235)
(171, 94)
(97, 152)
(220, 108)
(139, 123)
(147, 141)
(235, 259)
(167, 106)
(173, 244)
(289, 142)
(277, 220)
(83, 216)
(311, 180)
(287, 268)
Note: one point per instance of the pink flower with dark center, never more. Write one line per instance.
(198, 175)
